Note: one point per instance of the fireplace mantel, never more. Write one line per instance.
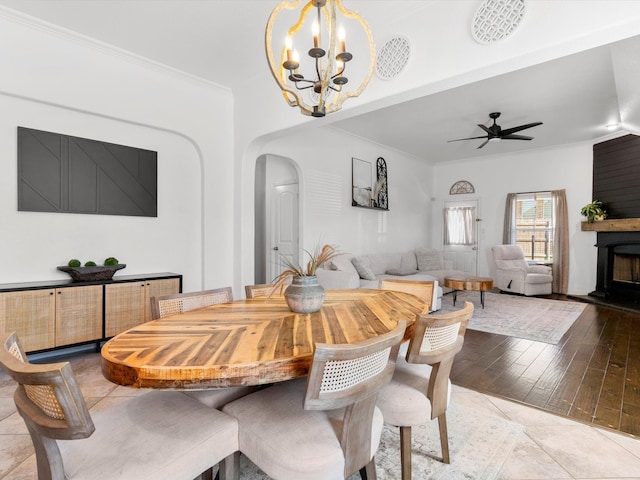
(617, 225)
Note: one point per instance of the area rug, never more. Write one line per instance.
(479, 444)
(531, 318)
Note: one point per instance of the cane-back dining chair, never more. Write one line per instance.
(420, 389)
(420, 288)
(325, 427)
(262, 290)
(183, 302)
(156, 435)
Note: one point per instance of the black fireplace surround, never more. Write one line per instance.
(610, 284)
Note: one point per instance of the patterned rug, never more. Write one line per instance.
(479, 444)
(538, 319)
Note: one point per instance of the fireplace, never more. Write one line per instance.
(618, 273)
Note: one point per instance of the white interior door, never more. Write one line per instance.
(284, 228)
(461, 244)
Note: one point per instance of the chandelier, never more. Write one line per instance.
(317, 82)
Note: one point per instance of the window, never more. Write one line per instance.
(533, 225)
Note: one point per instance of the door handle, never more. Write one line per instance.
(474, 248)
(275, 248)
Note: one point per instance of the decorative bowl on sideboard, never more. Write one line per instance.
(90, 274)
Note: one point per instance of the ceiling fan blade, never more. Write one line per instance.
(470, 138)
(485, 128)
(516, 137)
(508, 131)
(483, 143)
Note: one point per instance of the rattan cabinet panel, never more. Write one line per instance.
(129, 304)
(57, 314)
(78, 314)
(32, 315)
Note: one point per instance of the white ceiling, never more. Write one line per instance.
(223, 41)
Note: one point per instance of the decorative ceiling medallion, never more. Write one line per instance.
(460, 187)
(496, 19)
(392, 58)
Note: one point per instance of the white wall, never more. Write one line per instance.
(58, 82)
(324, 159)
(569, 167)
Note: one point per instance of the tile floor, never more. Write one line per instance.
(550, 447)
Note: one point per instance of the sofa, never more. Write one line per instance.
(365, 271)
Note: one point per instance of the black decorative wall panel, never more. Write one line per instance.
(61, 173)
(616, 176)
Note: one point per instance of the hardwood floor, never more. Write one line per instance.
(592, 375)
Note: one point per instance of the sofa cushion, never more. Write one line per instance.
(401, 272)
(363, 268)
(428, 259)
(408, 261)
(343, 263)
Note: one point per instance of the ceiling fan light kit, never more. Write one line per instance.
(496, 133)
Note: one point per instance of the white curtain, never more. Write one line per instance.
(459, 226)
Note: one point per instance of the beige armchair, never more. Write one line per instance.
(514, 274)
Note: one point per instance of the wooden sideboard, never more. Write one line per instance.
(50, 315)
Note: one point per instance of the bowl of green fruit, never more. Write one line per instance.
(91, 271)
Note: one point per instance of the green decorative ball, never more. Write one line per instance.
(110, 262)
(90, 264)
(74, 262)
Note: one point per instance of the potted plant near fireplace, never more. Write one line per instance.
(594, 211)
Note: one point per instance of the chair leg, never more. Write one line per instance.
(405, 452)
(444, 438)
(229, 468)
(368, 472)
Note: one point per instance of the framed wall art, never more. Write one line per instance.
(369, 184)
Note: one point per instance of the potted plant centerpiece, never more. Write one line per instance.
(304, 294)
(594, 211)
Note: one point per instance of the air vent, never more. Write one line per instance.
(496, 19)
(392, 58)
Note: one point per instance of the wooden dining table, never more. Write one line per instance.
(249, 342)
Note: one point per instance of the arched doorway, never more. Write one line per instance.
(277, 215)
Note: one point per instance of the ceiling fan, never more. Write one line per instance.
(496, 132)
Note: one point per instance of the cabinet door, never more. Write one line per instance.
(31, 314)
(78, 314)
(124, 306)
(158, 288)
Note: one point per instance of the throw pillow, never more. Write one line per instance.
(364, 270)
(343, 263)
(428, 259)
(408, 261)
(401, 272)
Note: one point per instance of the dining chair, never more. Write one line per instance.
(420, 389)
(156, 435)
(183, 302)
(262, 290)
(327, 426)
(420, 288)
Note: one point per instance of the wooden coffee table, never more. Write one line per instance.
(464, 282)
